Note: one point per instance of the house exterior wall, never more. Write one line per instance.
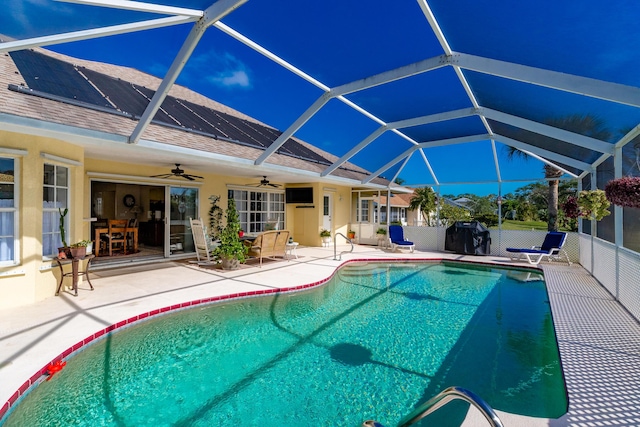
(34, 278)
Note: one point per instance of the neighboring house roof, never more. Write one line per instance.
(47, 86)
(457, 204)
(396, 201)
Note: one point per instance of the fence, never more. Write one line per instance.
(617, 269)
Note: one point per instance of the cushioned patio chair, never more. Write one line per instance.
(397, 240)
(551, 249)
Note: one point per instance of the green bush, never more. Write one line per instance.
(489, 220)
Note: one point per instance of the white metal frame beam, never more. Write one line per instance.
(432, 118)
(214, 13)
(139, 7)
(594, 88)
(550, 131)
(300, 121)
(355, 150)
(544, 154)
(94, 33)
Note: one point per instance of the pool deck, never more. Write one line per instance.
(599, 341)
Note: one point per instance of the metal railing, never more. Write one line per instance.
(335, 257)
(440, 400)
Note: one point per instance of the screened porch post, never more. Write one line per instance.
(388, 208)
(579, 190)
(618, 211)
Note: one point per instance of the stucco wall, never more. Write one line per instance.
(33, 279)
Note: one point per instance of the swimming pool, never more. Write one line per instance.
(372, 343)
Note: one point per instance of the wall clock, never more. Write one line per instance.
(129, 201)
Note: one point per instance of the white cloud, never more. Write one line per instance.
(222, 70)
(231, 78)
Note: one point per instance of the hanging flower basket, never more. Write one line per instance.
(624, 191)
(593, 204)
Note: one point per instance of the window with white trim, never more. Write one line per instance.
(363, 212)
(259, 210)
(55, 198)
(8, 212)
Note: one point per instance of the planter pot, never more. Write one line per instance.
(326, 241)
(79, 252)
(230, 263)
(351, 235)
(64, 252)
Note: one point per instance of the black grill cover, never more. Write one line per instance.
(468, 238)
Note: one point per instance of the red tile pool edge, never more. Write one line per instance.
(39, 375)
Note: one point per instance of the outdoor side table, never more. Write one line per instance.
(75, 272)
(291, 248)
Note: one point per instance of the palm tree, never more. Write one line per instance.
(424, 200)
(587, 125)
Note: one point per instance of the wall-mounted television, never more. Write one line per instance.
(299, 195)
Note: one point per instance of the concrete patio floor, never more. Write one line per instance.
(599, 341)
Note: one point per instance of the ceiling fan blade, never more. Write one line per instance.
(193, 176)
(164, 175)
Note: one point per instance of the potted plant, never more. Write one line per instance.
(231, 250)
(624, 191)
(325, 235)
(351, 234)
(63, 251)
(79, 250)
(381, 232)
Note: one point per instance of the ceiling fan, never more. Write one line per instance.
(264, 182)
(177, 172)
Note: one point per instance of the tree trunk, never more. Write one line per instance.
(552, 222)
(550, 173)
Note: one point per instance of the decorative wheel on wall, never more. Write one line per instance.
(129, 201)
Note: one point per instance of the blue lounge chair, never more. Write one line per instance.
(396, 237)
(551, 248)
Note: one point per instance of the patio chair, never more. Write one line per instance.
(551, 249)
(397, 240)
(116, 237)
(203, 245)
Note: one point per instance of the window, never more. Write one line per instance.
(364, 211)
(259, 210)
(8, 212)
(55, 195)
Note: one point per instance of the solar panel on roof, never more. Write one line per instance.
(187, 118)
(63, 80)
(227, 128)
(119, 92)
(53, 76)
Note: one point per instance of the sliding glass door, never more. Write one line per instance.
(183, 204)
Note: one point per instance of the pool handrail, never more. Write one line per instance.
(440, 400)
(335, 258)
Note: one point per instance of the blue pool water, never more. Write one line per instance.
(373, 343)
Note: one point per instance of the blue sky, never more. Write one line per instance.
(339, 41)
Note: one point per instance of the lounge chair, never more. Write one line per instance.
(397, 240)
(551, 248)
(203, 244)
